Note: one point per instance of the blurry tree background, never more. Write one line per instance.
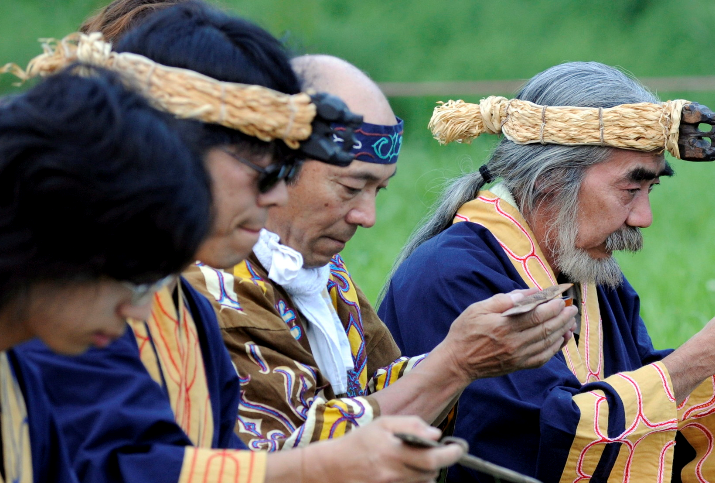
(468, 40)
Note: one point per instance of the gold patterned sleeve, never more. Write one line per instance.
(387, 375)
(696, 416)
(636, 409)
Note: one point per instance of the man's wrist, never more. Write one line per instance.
(451, 372)
(689, 365)
(317, 465)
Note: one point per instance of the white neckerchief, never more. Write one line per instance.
(308, 289)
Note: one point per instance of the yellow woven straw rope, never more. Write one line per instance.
(642, 127)
(254, 110)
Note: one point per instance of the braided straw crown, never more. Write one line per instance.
(641, 127)
(254, 110)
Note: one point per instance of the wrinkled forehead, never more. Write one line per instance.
(316, 174)
(370, 173)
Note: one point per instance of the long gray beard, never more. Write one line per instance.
(580, 267)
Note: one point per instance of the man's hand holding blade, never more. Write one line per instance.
(483, 342)
(467, 460)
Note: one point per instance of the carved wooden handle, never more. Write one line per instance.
(694, 143)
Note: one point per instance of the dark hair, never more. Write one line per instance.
(94, 183)
(120, 16)
(195, 36)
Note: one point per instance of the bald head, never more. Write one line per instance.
(324, 73)
(327, 203)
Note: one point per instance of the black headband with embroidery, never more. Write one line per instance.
(374, 143)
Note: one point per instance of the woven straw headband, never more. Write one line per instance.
(641, 127)
(254, 110)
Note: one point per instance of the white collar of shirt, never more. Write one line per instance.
(308, 289)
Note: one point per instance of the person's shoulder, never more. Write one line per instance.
(464, 246)
(338, 271)
(241, 296)
(40, 355)
(347, 289)
(28, 377)
(340, 275)
(200, 306)
(23, 371)
(251, 277)
(49, 458)
(222, 285)
(463, 260)
(463, 236)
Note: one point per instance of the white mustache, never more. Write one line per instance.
(626, 239)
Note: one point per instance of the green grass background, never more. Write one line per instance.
(424, 40)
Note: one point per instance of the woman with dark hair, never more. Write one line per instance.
(80, 183)
(120, 16)
(230, 49)
(163, 400)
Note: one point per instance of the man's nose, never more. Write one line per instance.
(641, 214)
(363, 214)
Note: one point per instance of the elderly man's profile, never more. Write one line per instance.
(606, 406)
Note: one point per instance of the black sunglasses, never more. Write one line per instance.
(271, 175)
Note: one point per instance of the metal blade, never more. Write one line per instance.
(530, 302)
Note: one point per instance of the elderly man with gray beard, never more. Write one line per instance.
(608, 406)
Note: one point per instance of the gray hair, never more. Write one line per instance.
(536, 173)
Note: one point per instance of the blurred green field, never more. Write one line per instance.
(480, 40)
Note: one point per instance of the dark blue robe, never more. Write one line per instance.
(50, 462)
(526, 420)
(116, 421)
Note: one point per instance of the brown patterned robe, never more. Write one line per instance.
(286, 402)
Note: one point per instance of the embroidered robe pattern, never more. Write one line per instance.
(286, 402)
(170, 350)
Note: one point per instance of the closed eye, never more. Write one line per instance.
(351, 190)
(634, 191)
